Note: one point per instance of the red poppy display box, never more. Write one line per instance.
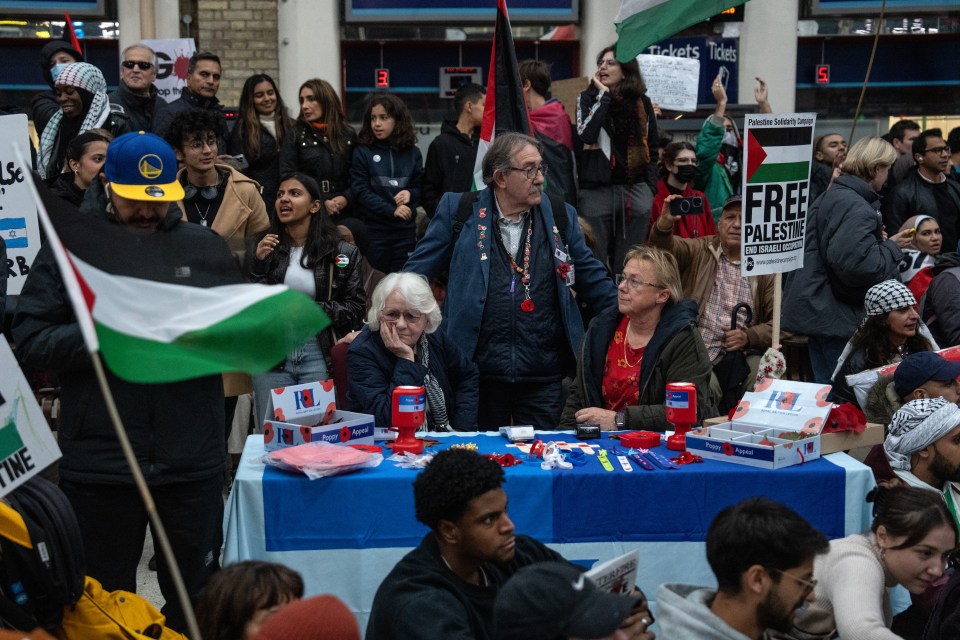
(775, 426)
(346, 427)
(308, 413)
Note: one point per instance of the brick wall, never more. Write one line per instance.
(244, 34)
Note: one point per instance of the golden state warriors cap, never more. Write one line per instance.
(142, 166)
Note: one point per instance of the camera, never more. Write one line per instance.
(687, 206)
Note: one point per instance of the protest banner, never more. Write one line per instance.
(173, 56)
(777, 152)
(671, 82)
(18, 213)
(27, 445)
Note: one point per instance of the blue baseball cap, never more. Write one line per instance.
(919, 368)
(142, 166)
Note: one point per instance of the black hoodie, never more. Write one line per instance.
(940, 305)
(45, 104)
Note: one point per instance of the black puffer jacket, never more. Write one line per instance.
(940, 305)
(176, 429)
(845, 217)
(304, 149)
(342, 298)
(143, 111)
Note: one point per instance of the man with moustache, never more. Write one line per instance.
(447, 587)
(761, 553)
(515, 260)
(136, 94)
(174, 428)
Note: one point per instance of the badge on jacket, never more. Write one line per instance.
(341, 260)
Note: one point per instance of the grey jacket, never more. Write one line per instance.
(851, 232)
(683, 613)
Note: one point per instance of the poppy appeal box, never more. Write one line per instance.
(308, 413)
(777, 425)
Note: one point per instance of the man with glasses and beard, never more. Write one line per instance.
(761, 553)
(136, 94)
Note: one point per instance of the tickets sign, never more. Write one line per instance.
(778, 149)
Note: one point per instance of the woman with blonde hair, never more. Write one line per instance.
(630, 353)
(846, 251)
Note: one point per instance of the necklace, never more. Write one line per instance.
(482, 575)
(203, 216)
(527, 305)
(625, 363)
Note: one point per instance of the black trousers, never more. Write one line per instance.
(507, 403)
(113, 523)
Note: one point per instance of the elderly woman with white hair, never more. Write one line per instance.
(401, 346)
(891, 330)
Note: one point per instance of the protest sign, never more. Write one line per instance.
(18, 213)
(777, 150)
(671, 82)
(27, 445)
(173, 56)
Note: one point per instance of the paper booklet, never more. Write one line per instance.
(618, 575)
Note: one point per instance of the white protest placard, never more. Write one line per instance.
(27, 445)
(173, 57)
(671, 82)
(777, 151)
(18, 212)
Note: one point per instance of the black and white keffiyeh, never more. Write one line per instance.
(917, 425)
(887, 296)
(437, 419)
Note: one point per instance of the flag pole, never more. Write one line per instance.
(90, 341)
(141, 483)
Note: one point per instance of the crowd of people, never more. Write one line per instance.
(555, 302)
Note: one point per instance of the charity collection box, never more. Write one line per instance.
(308, 413)
(777, 425)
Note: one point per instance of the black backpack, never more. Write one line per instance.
(36, 584)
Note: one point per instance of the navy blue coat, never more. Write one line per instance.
(469, 268)
(374, 372)
(379, 173)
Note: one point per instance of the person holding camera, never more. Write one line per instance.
(678, 168)
(710, 274)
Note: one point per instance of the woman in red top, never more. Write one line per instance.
(678, 166)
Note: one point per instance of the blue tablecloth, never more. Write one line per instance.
(374, 508)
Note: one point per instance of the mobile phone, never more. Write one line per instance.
(690, 206)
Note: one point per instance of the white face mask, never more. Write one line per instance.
(56, 69)
(730, 138)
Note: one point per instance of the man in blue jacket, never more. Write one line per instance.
(513, 269)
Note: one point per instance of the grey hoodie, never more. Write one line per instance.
(683, 614)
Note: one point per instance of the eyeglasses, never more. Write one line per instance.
(939, 150)
(633, 283)
(809, 584)
(143, 66)
(531, 172)
(392, 315)
(197, 144)
(607, 62)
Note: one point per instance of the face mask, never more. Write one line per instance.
(730, 138)
(56, 69)
(686, 173)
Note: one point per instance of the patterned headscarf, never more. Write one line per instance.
(82, 76)
(917, 425)
(887, 296)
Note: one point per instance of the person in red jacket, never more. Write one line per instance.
(678, 167)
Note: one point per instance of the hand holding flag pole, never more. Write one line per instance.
(88, 331)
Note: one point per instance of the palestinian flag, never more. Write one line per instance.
(641, 23)
(505, 109)
(778, 154)
(158, 313)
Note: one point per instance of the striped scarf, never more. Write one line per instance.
(437, 419)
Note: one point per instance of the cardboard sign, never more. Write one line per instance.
(27, 445)
(19, 226)
(173, 57)
(344, 428)
(303, 404)
(777, 152)
(671, 82)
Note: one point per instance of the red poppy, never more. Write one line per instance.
(278, 415)
(727, 449)
(562, 270)
(344, 434)
(527, 306)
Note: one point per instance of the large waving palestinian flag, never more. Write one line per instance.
(641, 23)
(158, 314)
(777, 154)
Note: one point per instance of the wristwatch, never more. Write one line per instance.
(620, 420)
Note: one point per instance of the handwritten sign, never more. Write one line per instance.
(671, 82)
(18, 213)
